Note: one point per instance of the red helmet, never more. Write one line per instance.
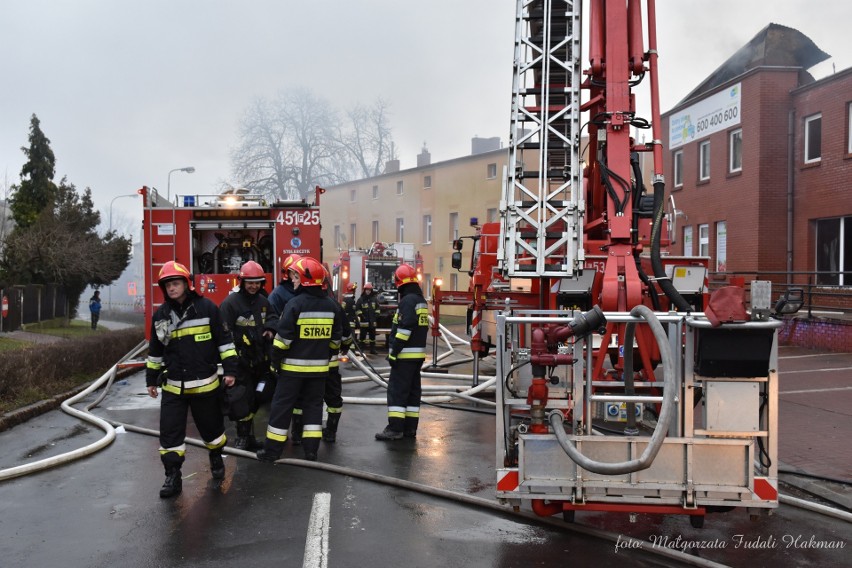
(351, 287)
(405, 274)
(368, 285)
(252, 272)
(310, 271)
(173, 270)
(326, 278)
(288, 262)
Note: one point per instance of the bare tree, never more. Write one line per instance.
(288, 145)
(367, 137)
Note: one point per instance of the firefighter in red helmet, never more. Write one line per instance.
(187, 342)
(309, 331)
(368, 311)
(348, 306)
(407, 353)
(284, 292)
(245, 314)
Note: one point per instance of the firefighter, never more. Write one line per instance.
(368, 311)
(187, 342)
(349, 306)
(309, 330)
(284, 292)
(407, 353)
(245, 314)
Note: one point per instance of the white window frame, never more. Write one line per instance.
(491, 171)
(704, 240)
(677, 164)
(688, 242)
(809, 120)
(427, 229)
(375, 192)
(400, 229)
(491, 215)
(337, 235)
(427, 182)
(399, 187)
(721, 246)
(735, 151)
(704, 161)
(849, 128)
(376, 231)
(353, 195)
(454, 226)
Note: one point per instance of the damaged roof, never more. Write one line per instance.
(773, 46)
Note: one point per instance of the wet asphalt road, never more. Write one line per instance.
(103, 510)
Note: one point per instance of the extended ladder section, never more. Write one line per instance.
(542, 204)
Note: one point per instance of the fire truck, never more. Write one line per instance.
(376, 265)
(213, 235)
(614, 391)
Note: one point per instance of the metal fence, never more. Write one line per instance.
(31, 304)
(819, 299)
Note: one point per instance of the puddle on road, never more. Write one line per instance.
(77, 430)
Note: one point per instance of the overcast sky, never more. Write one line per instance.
(127, 91)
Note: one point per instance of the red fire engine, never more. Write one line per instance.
(213, 235)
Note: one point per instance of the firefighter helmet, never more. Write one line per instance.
(351, 287)
(326, 278)
(405, 274)
(310, 271)
(288, 262)
(252, 272)
(368, 286)
(173, 270)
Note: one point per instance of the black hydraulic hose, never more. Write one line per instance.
(629, 386)
(656, 261)
(652, 290)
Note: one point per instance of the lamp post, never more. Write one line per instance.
(187, 169)
(109, 291)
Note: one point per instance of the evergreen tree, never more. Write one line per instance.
(36, 190)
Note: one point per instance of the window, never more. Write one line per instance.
(375, 192)
(687, 241)
(849, 129)
(375, 231)
(704, 161)
(352, 240)
(721, 246)
(454, 281)
(399, 187)
(427, 229)
(735, 151)
(678, 168)
(491, 215)
(337, 236)
(834, 251)
(400, 230)
(813, 138)
(491, 171)
(353, 195)
(454, 226)
(427, 182)
(703, 240)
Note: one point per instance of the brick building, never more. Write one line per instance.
(760, 161)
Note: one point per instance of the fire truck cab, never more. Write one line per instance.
(213, 235)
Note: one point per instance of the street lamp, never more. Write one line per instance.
(187, 169)
(113, 201)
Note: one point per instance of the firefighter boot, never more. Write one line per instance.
(245, 436)
(373, 348)
(217, 466)
(311, 447)
(266, 455)
(296, 429)
(329, 433)
(173, 484)
(409, 430)
(393, 431)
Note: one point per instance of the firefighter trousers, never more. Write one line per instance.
(207, 415)
(290, 390)
(404, 396)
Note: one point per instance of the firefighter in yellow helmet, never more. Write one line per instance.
(187, 343)
(309, 331)
(407, 353)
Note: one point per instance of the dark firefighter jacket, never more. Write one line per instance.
(309, 332)
(349, 309)
(368, 310)
(279, 297)
(187, 342)
(346, 338)
(410, 324)
(245, 316)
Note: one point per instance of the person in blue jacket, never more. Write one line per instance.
(95, 308)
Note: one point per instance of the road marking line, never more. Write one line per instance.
(816, 390)
(316, 544)
(816, 370)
